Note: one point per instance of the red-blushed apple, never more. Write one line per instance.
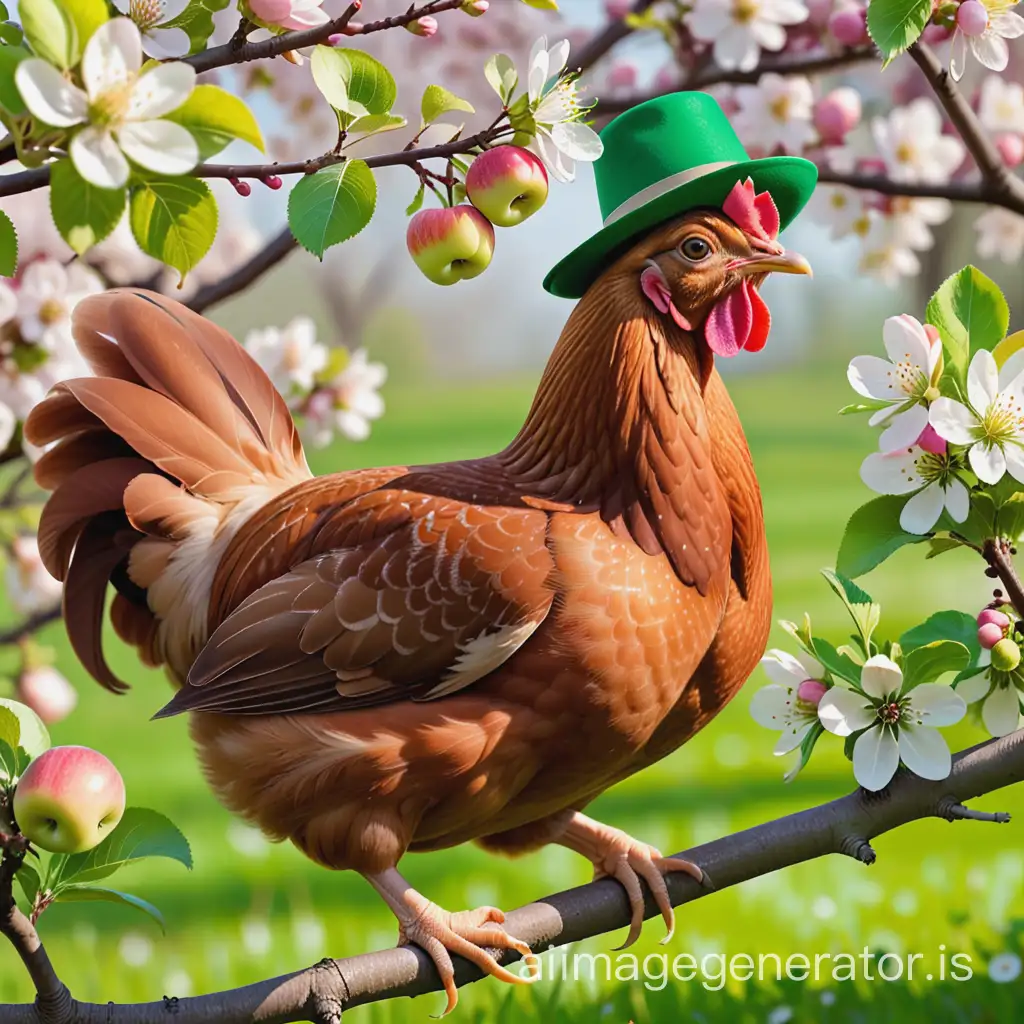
(69, 799)
(507, 184)
(47, 693)
(450, 244)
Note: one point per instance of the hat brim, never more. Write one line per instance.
(789, 179)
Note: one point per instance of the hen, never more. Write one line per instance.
(405, 659)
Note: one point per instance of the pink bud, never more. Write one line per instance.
(617, 9)
(666, 79)
(47, 693)
(273, 181)
(989, 635)
(1011, 148)
(425, 27)
(972, 18)
(993, 616)
(836, 114)
(810, 691)
(622, 75)
(931, 442)
(243, 188)
(849, 26)
(932, 333)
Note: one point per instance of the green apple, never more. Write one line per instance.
(507, 184)
(450, 244)
(69, 799)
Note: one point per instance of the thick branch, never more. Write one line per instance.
(845, 826)
(238, 280)
(997, 555)
(232, 53)
(598, 45)
(957, 191)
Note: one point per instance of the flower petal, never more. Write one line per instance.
(112, 55)
(1008, 24)
(935, 704)
(1001, 711)
(975, 687)
(771, 706)
(98, 159)
(924, 751)
(161, 90)
(952, 421)
(958, 500)
(892, 472)
(987, 461)
(906, 342)
(782, 668)
(538, 74)
(557, 57)
(922, 511)
(48, 95)
(982, 380)
(161, 146)
(991, 51)
(876, 756)
(904, 429)
(1014, 456)
(170, 9)
(843, 712)
(792, 736)
(166, 43)
(577, 141)
(874, 377)
(813, 668)
(880, 677)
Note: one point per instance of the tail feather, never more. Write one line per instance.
(158, 461)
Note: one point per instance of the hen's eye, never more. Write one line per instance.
(695, 249)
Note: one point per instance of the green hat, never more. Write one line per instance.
(662, 158)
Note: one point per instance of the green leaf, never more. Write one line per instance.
(11, 34)
(948, 625)
(28, 879)
(941, 544)
(437, 101)
(542, 5)
(869, 405)
(4, 13)
(87, 16)
(33, 737)
(872, 535)
(925, 664)
(373, 124)
(417, 201)
(332, 205)
(1010, 517)
(214, 117)
(174, 220)
(353, 82)
(140, 833)
(10, 728)
(329, 75)
(806, 749)
(970, 313)
(197, 21)
(895, 24)
(500, 72)
(864, 612)
(82, 893)
(50, 32)
(838, 665)
(83, 213)
(8, 246)
(10, 98)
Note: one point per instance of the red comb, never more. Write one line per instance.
(757, 215)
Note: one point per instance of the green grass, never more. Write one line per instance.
(935, 883)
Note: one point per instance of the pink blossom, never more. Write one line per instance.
(837, 114)
(929, 439)
(425, 27)
(1011, 148)
(294, 15)
(810, 691)
(849, 26)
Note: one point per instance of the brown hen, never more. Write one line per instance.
(409, 658)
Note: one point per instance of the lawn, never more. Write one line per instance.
(249, 910)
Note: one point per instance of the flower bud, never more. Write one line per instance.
(810, 691)
(47, 693)
(425, 27)
(993, 615)
(1011, 148)
(617, 9)
(1005, 655)
(989, 634)
(272, 181)
(837, 113)
(622, 75)
(931, 442)
(243, 188)
(972, 18)
(849, 26)
(474, 8)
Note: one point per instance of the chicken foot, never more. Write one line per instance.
(615, 854)
(468, 933)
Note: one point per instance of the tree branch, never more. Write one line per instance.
(598, 45)
(997, 554)
(846, 826)
(30, 625)
(956, 191)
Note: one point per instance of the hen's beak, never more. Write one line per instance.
(780, 263)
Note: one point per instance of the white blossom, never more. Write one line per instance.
(1000, 234)
(1000, 699)
(347, 404)
(1004, 968)
(781, 706)
(47, 293)
(911, 143)
(740, 29)
(776, 112)
(30, 588)
(291, 355)
(151, 18)
(989, 48)
(1001, 105)
(839, 207)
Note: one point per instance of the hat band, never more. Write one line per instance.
(659, 188)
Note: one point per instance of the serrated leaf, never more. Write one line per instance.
(947, 625)
(970, 313)
(872, 534)
(417, 201)
(332, 206)
(437, 101)
(500, 72)
(330, 75)
(895, 24)
(926, 663)
(197, 21)
(215, 118)
(50, 32)
(8, 246)
(10, 98)
(91, 893)
(374, 124)
(174, 220)
(863, 610)
(33, 737)
(140, 833)
(87, 16)
(83, 213)
(353, 82)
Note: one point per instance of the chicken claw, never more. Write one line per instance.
(615, 854)
(468, 933)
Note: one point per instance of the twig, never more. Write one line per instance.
(321, 993)
(231, 53)
(598, 45)
(238, 280)
(997, 554)
(957, 191)
(30, 624)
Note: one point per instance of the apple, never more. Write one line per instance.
(47, 693)
(69, 799)
(450, 244)
(507, 184)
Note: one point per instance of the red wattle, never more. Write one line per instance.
(762, 322)
(739, 321)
